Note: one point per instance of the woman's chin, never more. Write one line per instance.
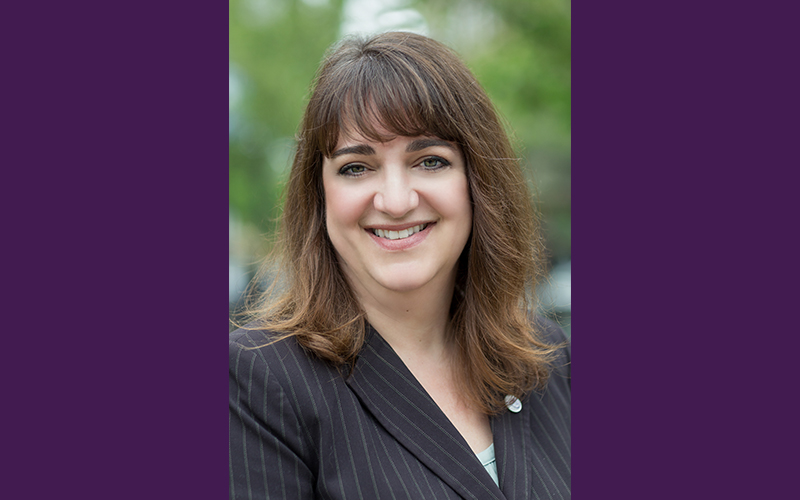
(403, 285)
(404, 280)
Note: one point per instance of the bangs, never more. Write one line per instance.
(382, 95)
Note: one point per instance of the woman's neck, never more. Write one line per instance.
(414, 323)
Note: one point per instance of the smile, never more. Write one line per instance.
(398, 235)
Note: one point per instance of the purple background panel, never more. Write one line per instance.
(116, 191)
(684, 250)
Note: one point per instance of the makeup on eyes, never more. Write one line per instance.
(357, 169)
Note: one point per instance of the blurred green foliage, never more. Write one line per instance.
(519, 50)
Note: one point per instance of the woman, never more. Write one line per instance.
(399, 359)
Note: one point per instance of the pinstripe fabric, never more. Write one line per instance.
(300, 429)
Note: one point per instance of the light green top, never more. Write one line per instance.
(489, 463)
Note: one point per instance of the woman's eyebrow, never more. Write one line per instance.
(415, 145)
(428, 142)
(360, 149)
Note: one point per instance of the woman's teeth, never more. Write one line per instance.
(396, 235)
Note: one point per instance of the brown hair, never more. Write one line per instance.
(411, 85)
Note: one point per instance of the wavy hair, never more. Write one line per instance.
(411, 85)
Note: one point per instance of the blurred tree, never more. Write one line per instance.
(275, 47)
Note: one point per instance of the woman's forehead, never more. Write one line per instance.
(352, 134)
(376, 132)
(378, 122)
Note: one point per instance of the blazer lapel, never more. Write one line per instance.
(512, 447)
(389, 391)
(529, 460)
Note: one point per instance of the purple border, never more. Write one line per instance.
(683, 251)
(115, 357)
(684, 238)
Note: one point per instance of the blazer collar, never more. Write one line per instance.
(389, 391)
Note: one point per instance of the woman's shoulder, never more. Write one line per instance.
(265, 344)
(256, 344)
(252, 337)
(552, 334)
(278, 356)
(549, 329)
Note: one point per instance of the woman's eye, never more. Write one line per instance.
(353, 170)
(434, 163)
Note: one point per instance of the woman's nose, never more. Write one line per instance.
(396, 197)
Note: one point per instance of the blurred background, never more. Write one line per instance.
(519, 50)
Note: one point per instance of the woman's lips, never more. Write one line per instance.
(398, 234)
(400, 237)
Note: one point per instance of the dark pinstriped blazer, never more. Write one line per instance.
(300, 429)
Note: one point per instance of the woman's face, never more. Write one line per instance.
(398, 213)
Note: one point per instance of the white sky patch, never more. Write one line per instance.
(280, 153)
(234, 89)
(376, 16)
(235, 98)
(263, 12)
(470, 25)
